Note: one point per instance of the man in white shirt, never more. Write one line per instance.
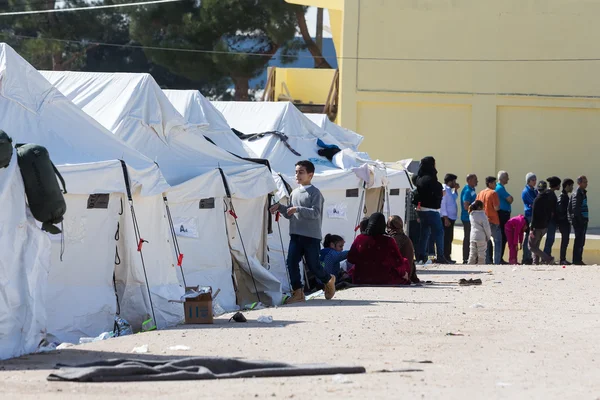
(449, 213)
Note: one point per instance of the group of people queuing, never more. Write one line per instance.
(487, 218)
(382, 254)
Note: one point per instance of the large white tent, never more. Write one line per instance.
(24, 267)
(198, 110)
(100, 237)
(352, 186)
(207, 182)
(397, 184)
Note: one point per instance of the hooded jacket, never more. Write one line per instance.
(481, 230)
(429, 188)
(514, 230)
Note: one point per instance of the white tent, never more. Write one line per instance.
(198, 110)
(24, 267)
(98, 223)
(348, 138)
(397, 179)
(135, 109)
(348, 197)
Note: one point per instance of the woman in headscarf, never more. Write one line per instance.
(395, 229)
(430, 193)
(376, 258)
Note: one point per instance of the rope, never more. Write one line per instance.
(138, 238)
(178, 253)
(234, 215)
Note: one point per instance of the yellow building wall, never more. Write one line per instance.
(406, 87)
(304, 84)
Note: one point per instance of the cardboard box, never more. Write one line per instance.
(198, 310)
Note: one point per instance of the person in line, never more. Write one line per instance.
(332, 254)
(481, 233)
(580, 216)
(449, 213)
(376, 257)
(305, 213)
(544, 207)
(515, 231)
(506, 201)
(528, 196)
(491, 205)
(430, 193)
(467, 197)
(395, 229)
(563, 220)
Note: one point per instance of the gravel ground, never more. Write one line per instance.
(527, 332)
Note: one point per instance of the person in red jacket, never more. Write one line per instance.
(376, 258)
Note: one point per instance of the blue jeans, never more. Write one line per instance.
(497, 238)
(309, 248)
(527, 258)
(550, 236)
(431, 227)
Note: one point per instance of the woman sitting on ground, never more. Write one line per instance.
(376, 257)
(395, 229)
(332, 254)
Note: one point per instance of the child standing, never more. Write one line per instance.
(481, 233)
(305, 213)
(515, 230)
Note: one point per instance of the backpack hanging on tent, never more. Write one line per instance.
(44, 196)
(6, 149)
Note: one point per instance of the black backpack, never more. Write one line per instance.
(44, 196)
(6, 149)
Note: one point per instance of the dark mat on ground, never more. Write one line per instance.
(195, 368)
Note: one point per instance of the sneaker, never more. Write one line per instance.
(329, 288)
(296, 297)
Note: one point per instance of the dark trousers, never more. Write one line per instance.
(309, 248)
(580, 229)
(414, 231)
(504, 217)
(448, 238)
(466, 241)
(565, 231)
(550, 237)
(526, 252)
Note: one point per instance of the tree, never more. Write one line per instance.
(315, 51)
(240, 37)
(35, 36)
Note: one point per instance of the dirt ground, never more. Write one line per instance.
(529, 332)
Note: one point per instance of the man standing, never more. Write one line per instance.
(449, 213)
(562, 219)
(467, 196)
(544, 207)
(491, 204)
(506, 201)
(578, 208)
(305, 213)
(528, 196)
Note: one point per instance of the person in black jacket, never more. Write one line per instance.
(562, 218)
(429, 201)
(579, 212)
(544, 208)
